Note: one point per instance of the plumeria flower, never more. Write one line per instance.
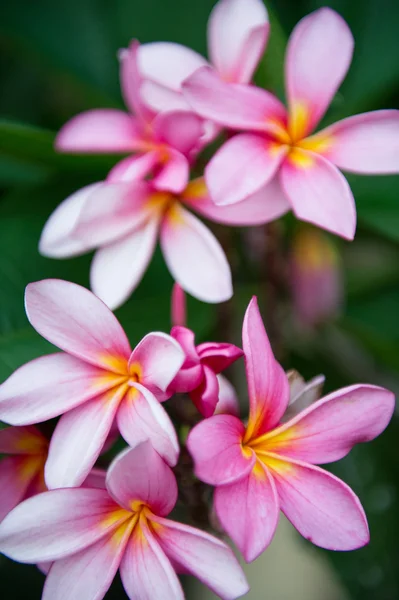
(96, 379)
(161, 144)
(280, 144)
(124, 219)
(237, 35)
(93, 533)
(266, 466)
(200, 372)
(316, 277)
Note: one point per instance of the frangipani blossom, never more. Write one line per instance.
(96, 379)
(237, 35)
(199, 375)
(267, 466)
(90, 534)
(162, 144)
(280, 144)
(124, 218)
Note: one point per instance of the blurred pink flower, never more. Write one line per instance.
(95, 380)
(162, 144)
(90, 534)
(265, 466)
(278, 143)
(316, 277)
(124, 218)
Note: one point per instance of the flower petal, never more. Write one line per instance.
(242, 167)
(134, 167)
(117, 269)
(16, 474)
(49, 386)
(113, 211)
(139, 474)
(57, 240)
(330, 427)
(174, 172)
(145, 570)
(89, 573)
(265, 205)
(319, 193)
(191, 373)
(78, 439)
(318, 57)
(203, 556)
(228, 402)
(162, 99)
(179, 129)
(248, 511)
(178, 307)
(268, 386)
(73, 319)
(141, 417)
(237, 36)
(22, 440)
(321, 507)
(158, 357)
(218, 356)
(194, 256)
(206, 395)
(302, 395)
(103, 130)
(131, 82)
(233, 105)
(56, 524)
(215, 445)
(367, 143)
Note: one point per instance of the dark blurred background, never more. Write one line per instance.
(59, 57)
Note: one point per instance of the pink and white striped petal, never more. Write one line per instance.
(206, 395)
(265, 205)
(179, 129)
(76, 321)
(216, 447)
(237, 36)
(242, 167)
(56, 524)
(248, 511)
(100, 130)
(268, 386)
(145, 570)
(233, 105)
(16, 474)
(194, 256)
(203, 556)
(318, 57)
(140, 475)
(78, 439)
(141, 417)
(113, 211)
(117, 269)
(49, 386)
(89, 573)
(22, 440)
(367, 143)
(228, 402)
(320, 506)
(319, 193)
(330, 427)
(158, 358)
(57, 240)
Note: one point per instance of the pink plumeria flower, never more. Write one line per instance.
(200, 373)
(124, 219)
(267, 466)
(316, 277)
(280, 144)
(237, 35)
(93, 533)
(161, 144)
(95, 380)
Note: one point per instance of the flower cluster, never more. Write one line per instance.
(59, 508)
